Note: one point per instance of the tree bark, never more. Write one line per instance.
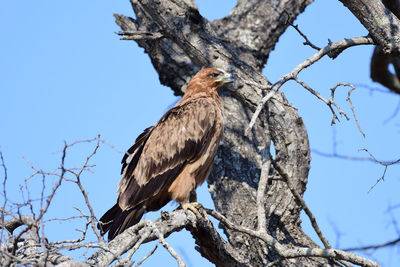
(380, 60)
(381, 23)
(181, 42)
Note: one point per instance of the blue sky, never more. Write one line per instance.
(65, 75)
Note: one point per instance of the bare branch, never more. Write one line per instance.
(3, 165)
(301, 201)
(344, 44)
(167, 246)
(381, 24)
(352, 107)
(262, 185)
(380, 179)
(58, 184)
(373, 247)
(374, 89)
(78, 182)
(385, 164)
(140, 35)
(329, 102)
(134, 249)
(380, 72)
(79, 239)
(201, 48)
(147, 256)
(340, 156)
(17, 221)
(395, 112)
(212, 245)
(289, 253)
(296, 27)
(125, 241)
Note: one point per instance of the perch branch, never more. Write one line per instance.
(288, 253)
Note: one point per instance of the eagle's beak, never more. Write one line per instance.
(227, 78)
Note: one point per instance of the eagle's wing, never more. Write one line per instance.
(160, 152)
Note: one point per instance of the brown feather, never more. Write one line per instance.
(169, 160)
(176, 139)
(131, 157)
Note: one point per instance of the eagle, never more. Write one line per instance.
(172, 158)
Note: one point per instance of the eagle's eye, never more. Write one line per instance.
(214, 74)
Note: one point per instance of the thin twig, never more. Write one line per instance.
(374, 89)
(147, 256)
(352, 88)
(352, 107)
(78, 182)
(296, 27)
(58, 184)
(298, 197)
(332, 100)
(329, 102)
(385, 164)
(382, 178)
(383, 245)
(395, 112)
(3, 165)
(41, 201)
(84, 231)
(167, 246)
(135, 247)
(340, 156)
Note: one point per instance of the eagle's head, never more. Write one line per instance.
(209, 79)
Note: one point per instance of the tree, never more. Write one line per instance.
(265, 228)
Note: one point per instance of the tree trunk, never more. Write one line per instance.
(180, 42)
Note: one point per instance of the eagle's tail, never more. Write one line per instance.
(115, 220)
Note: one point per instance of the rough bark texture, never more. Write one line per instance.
(381, 24)
(380, 60)
(239, 43)
(381, 19)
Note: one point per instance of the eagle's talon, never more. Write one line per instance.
(195, 207)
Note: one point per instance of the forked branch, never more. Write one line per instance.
(344, 44)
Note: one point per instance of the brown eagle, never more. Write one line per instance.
(170, 159)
